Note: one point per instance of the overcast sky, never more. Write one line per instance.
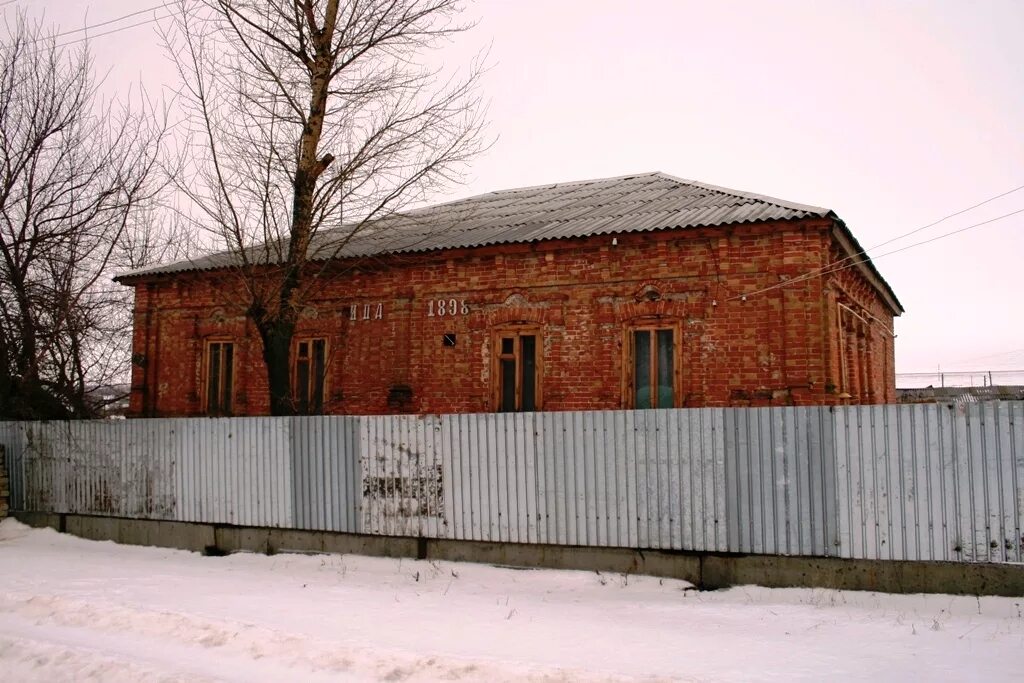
(891, 113)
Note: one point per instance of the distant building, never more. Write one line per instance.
(960, 394)
(110, 400)
(642, 291)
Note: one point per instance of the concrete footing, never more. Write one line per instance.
(704, 570)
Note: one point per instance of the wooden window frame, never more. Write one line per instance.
(497, 357)
(311, 340)
(629, 360)
(207, 362)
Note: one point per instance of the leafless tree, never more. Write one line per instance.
(310, 120)
(75, 173)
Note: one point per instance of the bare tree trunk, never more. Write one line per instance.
(277, 343)
(274, 85)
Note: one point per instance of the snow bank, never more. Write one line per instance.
(85, 610)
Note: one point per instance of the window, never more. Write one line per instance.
(516, 370)
(651, 365)
(310, 371)
(220, 372)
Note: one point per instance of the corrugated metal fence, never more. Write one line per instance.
(923, 482)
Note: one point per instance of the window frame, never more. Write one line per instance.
(629, 360)
(309, 405)
(208, 345)
(516, 332)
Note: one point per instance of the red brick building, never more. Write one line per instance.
(635, 292)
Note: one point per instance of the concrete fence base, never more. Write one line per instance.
(707, 571)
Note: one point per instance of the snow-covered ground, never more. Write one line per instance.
(74, 610)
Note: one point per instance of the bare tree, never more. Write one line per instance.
(310, 120)
(74, 173)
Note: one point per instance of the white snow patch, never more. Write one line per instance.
(72, 609)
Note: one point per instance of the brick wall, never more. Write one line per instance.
(385, 329)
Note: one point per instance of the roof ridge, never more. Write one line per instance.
(784, 203)
(512, 190)
(568, 183)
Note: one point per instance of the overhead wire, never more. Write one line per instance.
(162, 5)
(116, 30)
(850, 262)
(944, 219)
(108, 22)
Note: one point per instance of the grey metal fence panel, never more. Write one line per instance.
(87, 468)
(234, 471)
(325, 482)
(931, 482)
(403, 487)
(652, 479)
(224, 471)
(779, 480)
(923, 482)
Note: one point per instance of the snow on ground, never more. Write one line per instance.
(74, 610)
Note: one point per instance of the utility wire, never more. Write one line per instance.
(115, 30)
(826, 269)
(943, 219)
(115, 20)
(162, 5)
(935, 373)
(841, 265)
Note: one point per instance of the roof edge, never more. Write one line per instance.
(865, 265)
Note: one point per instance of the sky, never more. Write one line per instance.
(894, 114)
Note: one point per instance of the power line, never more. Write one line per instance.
(842, 265)
(826, 269)
(115, 20)
(935, 373)
(162, 5)
(107, 33)
(944, 219)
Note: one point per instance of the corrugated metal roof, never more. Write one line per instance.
(635, 203)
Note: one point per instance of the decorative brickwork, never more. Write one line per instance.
(413, 333)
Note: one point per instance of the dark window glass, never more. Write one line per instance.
(642, 369)
(508, 385)
(528, 362)
(219, 377)
(310, 370)
(213, 380)
(302, 378)
(664, 374)
(518, 388)
(316, 400)
(653, 369)
(228, 372)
